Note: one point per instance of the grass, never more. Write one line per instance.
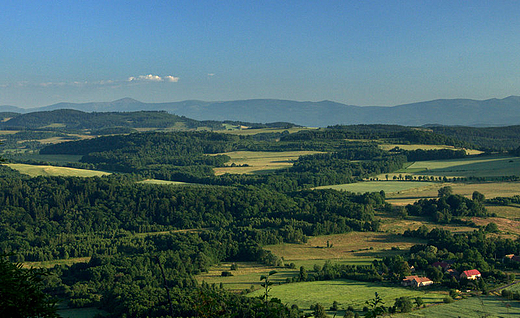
(37, 170)
(349, 248)
(509, 212)
(483, 306)
(376, 186)
(489, 166)
(392, 225)
(163, 182)
(50, 264)
(426, 147)
(489, 189)
(260, 161)
(247, 132)
(247, 275)
(345, 292)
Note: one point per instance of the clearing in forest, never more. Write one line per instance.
(38, 170)
(489, 189)
(245, 162)
(427, 147)
(377, 186)
(345, 292)
(485, 166)
(473, 307)
(351, 248)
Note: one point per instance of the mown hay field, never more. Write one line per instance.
(38, 170)
(345, 292)
(259, 161)
(489, 189)
(473, 307)
(247, 132)
(50, 264)
(377, 186)
(352, 248)
(162, 182)
(427, 147)
(489, 166)
(247, 275)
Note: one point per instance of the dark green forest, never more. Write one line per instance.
(147, 242)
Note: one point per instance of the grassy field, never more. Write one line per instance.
(49, 264)
(509, 212)
(350, 248)
(485, 306)
(247, 132)
(163, 182)
(260, 161)
(247, 275)
(376, 186)
(427, 147)
(489, 166)
(393, 225)
(37, 170)
(489, 189)
(345, 292)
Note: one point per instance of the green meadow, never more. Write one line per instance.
(376, 186)
(494, 166)
(40, 170)
(473, 307)
(345, 292)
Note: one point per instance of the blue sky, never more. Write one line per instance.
(354, 52)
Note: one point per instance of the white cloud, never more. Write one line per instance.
(150, 78)
(172, 79)
(153, 78)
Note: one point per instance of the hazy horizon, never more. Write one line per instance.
(370, 53)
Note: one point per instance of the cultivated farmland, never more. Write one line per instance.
(37, 170)
(345, 292)
(259, 161)
(483, 306)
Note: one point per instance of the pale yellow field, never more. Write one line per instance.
(49, 264)
(37, 170)
(345, 246)
(164, 182)
(489, 189)
(427, 147)
(376, 186)
(247, 274)
(247, 132)
(260, 161)
(509, 212)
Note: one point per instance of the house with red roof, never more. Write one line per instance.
(471, 274)
(416, 281)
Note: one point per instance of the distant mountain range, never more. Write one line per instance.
(464, 112)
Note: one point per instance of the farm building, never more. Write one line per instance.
(471, 274)
(416, 281)
(513, 257)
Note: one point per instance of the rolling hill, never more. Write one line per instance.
(465, 112)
